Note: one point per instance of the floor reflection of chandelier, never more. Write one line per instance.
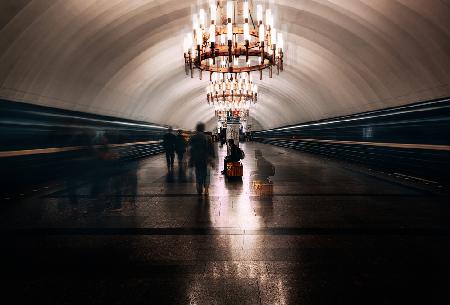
(227, 89)
(232, 47)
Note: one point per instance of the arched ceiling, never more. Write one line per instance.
(124, 58)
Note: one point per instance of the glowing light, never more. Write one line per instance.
(199, 35)
(230, 31)
(212, 33)
(230, 9)
(273, 37)
(188, 42)
(213, 10)
(202, 18)
(259, 9)
(245, 7)
(268, 15)
(246, 31)
(280, 41)
(195, 23)
(262, 33)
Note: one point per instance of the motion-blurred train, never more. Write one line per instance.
(412, 141)
(41, 143)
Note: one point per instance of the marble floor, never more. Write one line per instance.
(331, 233)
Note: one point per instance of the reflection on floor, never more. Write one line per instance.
(330, 234)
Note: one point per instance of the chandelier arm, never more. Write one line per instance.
(251, 18)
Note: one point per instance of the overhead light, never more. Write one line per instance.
(224, 40)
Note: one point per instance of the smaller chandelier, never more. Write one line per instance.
(229, 47)
(230, 89)
(228, 114)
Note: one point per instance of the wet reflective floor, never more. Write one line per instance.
(330, 233)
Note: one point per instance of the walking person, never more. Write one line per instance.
(169, 146)
(180, 148)
(202, 155)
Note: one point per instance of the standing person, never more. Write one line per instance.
(202, 154)
(222, 138)
(180, 148)
(169, 146)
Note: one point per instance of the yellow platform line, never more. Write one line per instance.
(52, 150)
(379, 144)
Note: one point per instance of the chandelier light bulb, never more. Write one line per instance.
(195, 23)
(268, 14)
(280, 41)
(213, 11)
(271, 24)
(202, 18)
(230, 32)
(259, 13)
(212, 33)
(188, 42)
(246, 11)
(246, 32)
(273, 38)
(262, 33)
(199, 35)
(230, 10)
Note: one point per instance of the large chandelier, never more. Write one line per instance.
(232, 47)
(228, 89)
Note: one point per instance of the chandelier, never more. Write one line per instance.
(232, 47)
(229, 114)
(228, 89)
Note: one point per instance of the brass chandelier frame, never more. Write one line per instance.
(203, 53)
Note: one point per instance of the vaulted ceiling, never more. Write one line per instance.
(124, 58)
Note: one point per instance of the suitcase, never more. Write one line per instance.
(263, 188)
(235, 169)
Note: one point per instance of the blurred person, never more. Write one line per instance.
(264, 168)
(222, 137)
(202, 155)
(169, 140)
(180, 148)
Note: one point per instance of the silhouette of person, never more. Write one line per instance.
(180, 148)
(235, 155)
(169, 146)
(202, 155)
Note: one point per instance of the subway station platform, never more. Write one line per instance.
(331, 233)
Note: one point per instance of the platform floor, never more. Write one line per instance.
(331, 233)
